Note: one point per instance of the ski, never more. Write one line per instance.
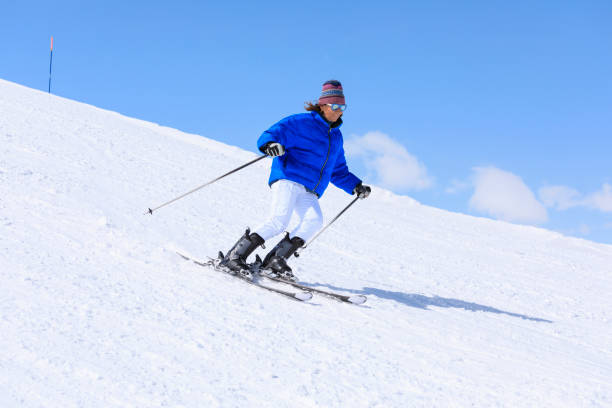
(214, 264)
(354, 299)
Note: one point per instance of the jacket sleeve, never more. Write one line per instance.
(341, 176)
(276, 133)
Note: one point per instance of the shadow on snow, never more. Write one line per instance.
(424, 302)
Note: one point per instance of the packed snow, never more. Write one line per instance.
(97, 310)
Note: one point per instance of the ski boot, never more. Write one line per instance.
(275, 263)
(235, 260)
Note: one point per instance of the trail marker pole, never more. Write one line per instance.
(50, 63)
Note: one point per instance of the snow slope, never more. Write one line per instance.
(96, 309)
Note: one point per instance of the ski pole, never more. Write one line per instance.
(150, 210)
(297, 253)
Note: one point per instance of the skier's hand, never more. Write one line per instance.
(362, 191)
(274, 149)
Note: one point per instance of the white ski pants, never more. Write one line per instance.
(287, 197)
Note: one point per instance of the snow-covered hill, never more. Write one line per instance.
(96, 309)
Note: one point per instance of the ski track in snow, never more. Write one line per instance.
(96, 309)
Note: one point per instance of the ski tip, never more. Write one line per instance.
(357, 299)
(185, 257)
(303, 296)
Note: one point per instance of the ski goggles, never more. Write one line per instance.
(337, 106)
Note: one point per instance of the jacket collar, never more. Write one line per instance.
(319, 117)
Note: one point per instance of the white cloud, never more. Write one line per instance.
(563, 198)
(457, 186)
(602, 199)
(584, 229)
(389, 162)
(505, 196)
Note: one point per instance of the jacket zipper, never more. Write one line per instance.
(326, 159)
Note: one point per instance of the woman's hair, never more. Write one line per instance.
(310, 107)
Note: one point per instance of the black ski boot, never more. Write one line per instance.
(275, 262)
(236, 258)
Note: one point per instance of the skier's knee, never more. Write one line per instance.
(314, 224)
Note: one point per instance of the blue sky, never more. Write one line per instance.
(491, 108)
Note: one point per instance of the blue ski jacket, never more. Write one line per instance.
(314, 153)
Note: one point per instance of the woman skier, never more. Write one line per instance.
(308, 153)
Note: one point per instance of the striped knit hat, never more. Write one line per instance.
(332, 93)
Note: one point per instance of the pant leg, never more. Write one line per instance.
(311, 217)
(284, 196)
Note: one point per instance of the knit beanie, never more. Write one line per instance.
(332, 93)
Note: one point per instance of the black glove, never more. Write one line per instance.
(362, 191)
(274, 149)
